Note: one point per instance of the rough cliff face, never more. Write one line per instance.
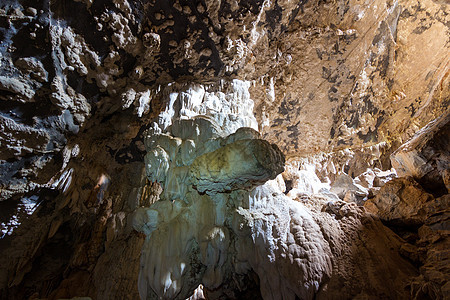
(240, 148)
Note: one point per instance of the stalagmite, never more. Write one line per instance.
(225, 149)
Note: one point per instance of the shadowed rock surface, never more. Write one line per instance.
(241, 149)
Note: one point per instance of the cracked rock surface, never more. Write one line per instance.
(255, 146)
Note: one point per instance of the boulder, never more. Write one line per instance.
(400, 200)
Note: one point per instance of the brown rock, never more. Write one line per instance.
(400, 200)
(325, 76)
(426, 156)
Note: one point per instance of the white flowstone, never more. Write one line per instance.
(218, 213)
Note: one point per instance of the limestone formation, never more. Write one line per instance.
(222, 226)
(143, 143)
(193, 158)
(243, 164)
(419, 218)
(419, 215)
(425, 156)
(402, 200)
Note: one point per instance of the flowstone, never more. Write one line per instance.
(221, 215)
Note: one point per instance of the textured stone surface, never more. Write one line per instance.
(205, 174)
(337, 85)
(343, 76)
(243, 164)
(426, 155)
(402, 200)
(423, 222)
(298, 245)
(419, 210)
(325, 76)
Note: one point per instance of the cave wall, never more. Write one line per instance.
(325, 76)
(335, 84)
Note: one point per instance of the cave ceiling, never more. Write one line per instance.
(342, 83)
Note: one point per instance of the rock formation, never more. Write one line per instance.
(224, 149)
(419, 212)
